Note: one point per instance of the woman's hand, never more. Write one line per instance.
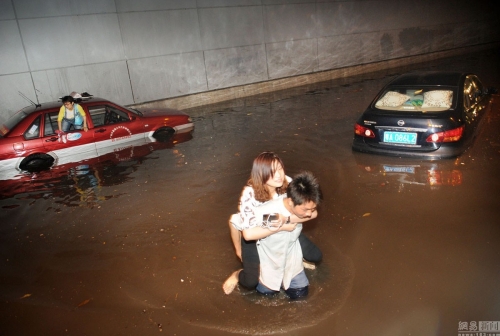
(283, 219)
(275, 223)
(288, 227)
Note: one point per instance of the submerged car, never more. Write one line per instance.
(430, 115)
(109, 169)
(30, 139)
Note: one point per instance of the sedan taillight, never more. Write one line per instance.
(363, 131)
(447, 136)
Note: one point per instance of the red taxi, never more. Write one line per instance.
(110, 169)
(30, 139)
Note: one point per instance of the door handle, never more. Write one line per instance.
(51, 139)
(101, 130)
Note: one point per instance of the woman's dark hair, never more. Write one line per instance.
(67, 99)
(264, 167)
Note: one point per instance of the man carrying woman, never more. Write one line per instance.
(267, 182)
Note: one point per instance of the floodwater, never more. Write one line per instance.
(140, 246)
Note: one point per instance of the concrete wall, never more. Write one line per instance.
(138, 51)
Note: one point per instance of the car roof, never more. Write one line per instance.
(431, 78)
(57, 104)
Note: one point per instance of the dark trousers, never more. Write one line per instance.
(249, 276)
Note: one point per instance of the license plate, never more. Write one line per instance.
(399, 169)
(400, 137)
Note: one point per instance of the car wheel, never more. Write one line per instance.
(36, 162)
(163, 134)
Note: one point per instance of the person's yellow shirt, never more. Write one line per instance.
(62, 112)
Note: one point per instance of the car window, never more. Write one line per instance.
(50, 124)
(97, 114)
(114, 115)
(33, 132)
(13, 121)
(106, 115)
(429, 99)
(472, 91)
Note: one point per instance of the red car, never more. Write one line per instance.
(30, 141)
(67, 180)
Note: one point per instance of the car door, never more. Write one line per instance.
(30, 142)
(114, 127)
(72, 146)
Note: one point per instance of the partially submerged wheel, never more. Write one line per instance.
(164, 134)
(36, 162)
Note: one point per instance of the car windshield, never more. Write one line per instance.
(12, 122)
(421, 99)
(134, 111)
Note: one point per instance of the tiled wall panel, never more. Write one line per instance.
(12, 55)
(162, 77)
(157, 33)
(292, 58)
(235, 66)
(108, 80)
(245, 22)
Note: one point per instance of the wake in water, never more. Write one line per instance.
(248, 312)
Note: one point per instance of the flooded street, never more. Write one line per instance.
(138, 243)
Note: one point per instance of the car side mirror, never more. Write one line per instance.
(484, 92)
(491, 90)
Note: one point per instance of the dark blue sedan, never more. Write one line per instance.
(430, 115)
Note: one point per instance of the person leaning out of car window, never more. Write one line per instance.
(71, 114)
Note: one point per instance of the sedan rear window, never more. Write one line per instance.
(415, 99)
(12, 122)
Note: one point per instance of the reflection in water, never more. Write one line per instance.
(87, 185)
(389, 172)
(81, 183)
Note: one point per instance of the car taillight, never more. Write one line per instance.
(447, 136)
(363, 131)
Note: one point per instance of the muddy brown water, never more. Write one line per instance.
(141, 247)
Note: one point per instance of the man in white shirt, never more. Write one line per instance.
(280, 253)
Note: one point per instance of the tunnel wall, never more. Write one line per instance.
(140, 51)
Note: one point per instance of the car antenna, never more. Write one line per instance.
(32, 102)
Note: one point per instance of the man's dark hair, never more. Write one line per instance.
(304, 188)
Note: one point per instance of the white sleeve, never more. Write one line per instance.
(236, 221)
(247, 207)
